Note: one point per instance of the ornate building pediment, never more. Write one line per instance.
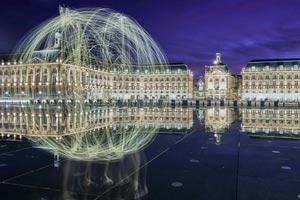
(219, 71)
(219, 81)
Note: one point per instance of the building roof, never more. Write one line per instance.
(153, 67)
(176, 66)
(274, 63)
(216, 66)
(274, 60)
(51, 55)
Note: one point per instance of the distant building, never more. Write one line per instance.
(272, 80)
(64, 82)
(48, 79)
(219, 82)
(173, 83)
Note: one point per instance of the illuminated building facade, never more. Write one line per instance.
(271, 80)
(219, 82)
(173, 83)
(52, 82)
(48, 79)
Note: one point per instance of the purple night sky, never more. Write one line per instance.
(189, 31)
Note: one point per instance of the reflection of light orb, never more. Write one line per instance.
(103, 144)
(97, 38)
(85, 176)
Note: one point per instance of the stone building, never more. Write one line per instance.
(65, 82)
(47, 78)
(271, 80)
(175, 82)
(219, 82)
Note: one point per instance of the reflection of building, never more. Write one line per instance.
(220, 84)
(218, 120)
(199, 90)
(200, 115)
(271, 80)
(283, 123)
(54, 122)
(58, 81)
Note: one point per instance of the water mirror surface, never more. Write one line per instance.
(81, 152)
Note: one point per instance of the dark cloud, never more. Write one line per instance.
(189, 31)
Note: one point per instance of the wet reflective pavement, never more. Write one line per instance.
(206, 155)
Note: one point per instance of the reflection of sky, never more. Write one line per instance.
(189, 32)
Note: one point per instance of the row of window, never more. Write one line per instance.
(267, 77)
(271, 87)
(272, 83)
(274, 91)
(273, 112)
(127, 91)
(78, 73)
(275, 122)
(217, 80)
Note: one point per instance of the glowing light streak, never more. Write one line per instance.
(95, 38)
(99, 145)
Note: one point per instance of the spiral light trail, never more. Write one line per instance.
(98, 38)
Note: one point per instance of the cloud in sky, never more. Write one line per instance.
(189, 31)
